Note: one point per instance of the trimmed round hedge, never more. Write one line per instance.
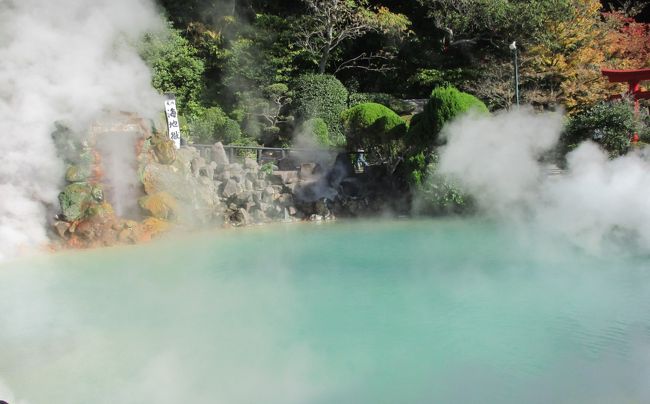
(321, 96)
(445, 104)
(371, 125)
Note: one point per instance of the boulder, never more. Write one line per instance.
(75, 200)
(152, 227)
(197, 164)
(251, 164)
(259, 216)
(284, 200)
(160, 205)
(219, 154)
(61, 228)
(197, 197)
(243, 198)
(240, 217)
(231, 188)
(96, 229)
(78, 173)
(164, 149)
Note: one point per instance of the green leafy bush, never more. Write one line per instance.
(436, 194)
(213, 125)
(425, 79)
(610, 124)
(374, 127)
(176, 68)
(320, 96)
(316, 130)
(400, 107)
(445, 104)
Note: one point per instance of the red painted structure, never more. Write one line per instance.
(633, 78)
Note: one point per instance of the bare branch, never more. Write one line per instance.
(368, 62)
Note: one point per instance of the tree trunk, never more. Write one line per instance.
(324, 58)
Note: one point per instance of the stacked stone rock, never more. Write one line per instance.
(249, 194)
(180, 189)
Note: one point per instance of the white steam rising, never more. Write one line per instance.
(61, 61)
(597, 203)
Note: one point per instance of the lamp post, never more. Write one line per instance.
(513, 49)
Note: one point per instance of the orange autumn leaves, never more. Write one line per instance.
(568, 59)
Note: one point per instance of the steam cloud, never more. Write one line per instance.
(61, 61)
(598, 203)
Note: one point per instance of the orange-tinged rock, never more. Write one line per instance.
(152, 227)
(160, 205)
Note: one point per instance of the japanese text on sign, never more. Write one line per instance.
(172, 122)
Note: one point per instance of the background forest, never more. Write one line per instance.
(261, 72)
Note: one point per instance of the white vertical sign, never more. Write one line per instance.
(172, 121)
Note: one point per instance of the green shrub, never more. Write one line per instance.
(436, 194)
(244, 153)
(374, 127)
(320, 96)
(316, 130)
(213, 125)
(644, 132)
(424, 80)
(445, 104)
(610, 124)
(175, 67)
(400, 107)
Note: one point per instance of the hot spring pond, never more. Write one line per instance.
(445, 311)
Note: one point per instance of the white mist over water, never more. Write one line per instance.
(416, 312)
(601, 205)
(64, 61)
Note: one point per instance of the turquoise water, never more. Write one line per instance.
(445, 311)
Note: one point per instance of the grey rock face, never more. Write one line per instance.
(219, 155)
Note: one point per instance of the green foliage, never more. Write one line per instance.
(213, 125)
(176, 68)
(264, 114)
(268, 168)
(243, 153)
(373, 127)
(316, 130)
(435, 193)
(445, 104)
(609, 124)
(328, 25)
(644, 123)
(424, 79)
(400, 107)
(321, 96)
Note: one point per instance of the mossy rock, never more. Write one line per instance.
(78, 173)
(78, 200)
(160, 205)
(102, 210)
(75, 200)
(164, 149)
(97, 192)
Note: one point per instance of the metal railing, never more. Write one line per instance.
(266, 154)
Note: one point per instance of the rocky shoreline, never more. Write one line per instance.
(177, 189)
